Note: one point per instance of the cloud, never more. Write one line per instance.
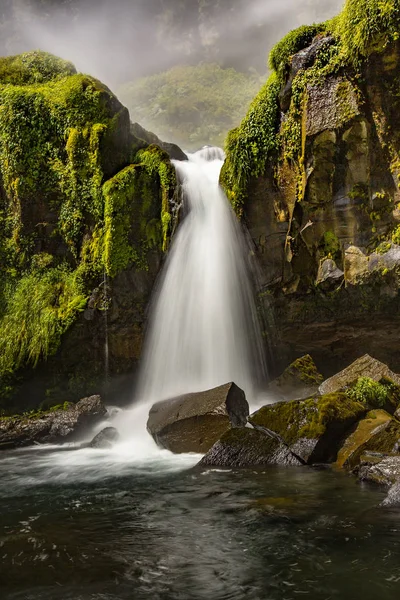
(124, 39)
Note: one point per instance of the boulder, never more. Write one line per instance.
(379, 469)
(300, 380)
(378, 432)
(58, 425)
(105, 439)
(365, 366)
(247, 447)
(392, 500)
(313, 428)
(194, 422)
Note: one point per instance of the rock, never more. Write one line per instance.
(330, 105)
(194, 422)
(384, 472)
(244, 447)
(302, 60)
(105, 438)
(378, 431)
(365, 366)
(300, 380)
(328, 272)
(56, 426)
(313, 428)
(173, 151)
(392, 500)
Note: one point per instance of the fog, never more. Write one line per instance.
(120, 40)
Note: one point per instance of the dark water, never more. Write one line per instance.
(87, 529)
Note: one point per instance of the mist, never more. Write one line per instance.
(121, 40)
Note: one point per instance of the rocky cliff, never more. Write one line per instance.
(314, 171)
(84, 218)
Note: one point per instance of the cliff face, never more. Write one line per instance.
(314, 171)
(84, 218)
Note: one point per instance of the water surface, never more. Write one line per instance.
(89, 525)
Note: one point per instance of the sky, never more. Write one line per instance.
(120, 40)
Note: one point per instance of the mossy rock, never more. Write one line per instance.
(362, 438)
(244, 447)
(81, 198)
(313, 428)
(299, 380)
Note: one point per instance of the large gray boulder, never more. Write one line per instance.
(56, 426)
(365, 366)
(247, 447)
(194, 422)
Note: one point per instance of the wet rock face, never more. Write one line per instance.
(63, 424)
(318, 218)
(105, 439)
(246, 447)
(194, 422)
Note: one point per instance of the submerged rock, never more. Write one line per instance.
(247, 447)
(106, 438)
(56, 426)
(194, 422)
(299, 380)
(313, 428)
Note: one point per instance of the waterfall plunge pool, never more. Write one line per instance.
(94, 525)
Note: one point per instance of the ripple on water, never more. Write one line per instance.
(88, 525)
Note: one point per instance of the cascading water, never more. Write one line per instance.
(203, 328)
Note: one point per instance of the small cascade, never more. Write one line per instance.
(203, 325)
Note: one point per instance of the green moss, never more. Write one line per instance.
(311, 418)
(363, 27)
(33, 67)
(250, 146)
(157, 164)
(367, 26)
(293, 42)
(330, 245)
(71, 202)
(302, 369)
(40, 308)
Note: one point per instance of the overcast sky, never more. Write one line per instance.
(119, 40)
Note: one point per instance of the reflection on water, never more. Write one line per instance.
(91, 525)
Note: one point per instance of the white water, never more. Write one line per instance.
(203, 332)
(203, 328)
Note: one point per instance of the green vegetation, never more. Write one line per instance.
(293, 42)
(375, 394)
(263, 137)
(76, 201)
(253, 144)
(190, 105)
(33, 67)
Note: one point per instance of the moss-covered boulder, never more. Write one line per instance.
(299, 380)
(313, 170)
(84, 205)
(246, 448)
(378, 432)
(194, 422)
(313, 428)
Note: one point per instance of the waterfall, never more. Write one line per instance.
(203, 328)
